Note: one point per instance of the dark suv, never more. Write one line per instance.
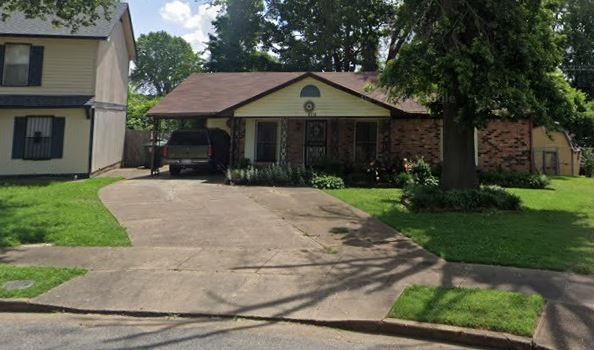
(196, 149)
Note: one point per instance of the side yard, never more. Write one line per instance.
(555, 229)
(63, 213)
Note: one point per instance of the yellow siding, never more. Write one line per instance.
(112, 68)
(108, 140)
(68, 67)
(332, 103)
(568, 159)
(76, 144)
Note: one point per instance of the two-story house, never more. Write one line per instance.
(63, 95)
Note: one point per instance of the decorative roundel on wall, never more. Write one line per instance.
(309, 106)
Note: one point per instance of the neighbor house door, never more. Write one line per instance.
(550, 163)
(315, 141)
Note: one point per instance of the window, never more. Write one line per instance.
(266, 134)
(38, 138)
(16, 65)
(310, 91)
(366, 141)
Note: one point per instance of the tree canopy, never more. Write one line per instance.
(327, 35)
(238, 33)
(576, 23)
(477, 61)
(163, 62)
(73, 13)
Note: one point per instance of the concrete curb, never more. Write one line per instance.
(409, 329)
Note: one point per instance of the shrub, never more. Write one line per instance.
(327, 182)
(401, 180)
(588, 162)
(432, 198)
(421, 173)
(513, 179)
(270, 175)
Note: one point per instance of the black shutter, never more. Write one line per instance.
(1, 64)
(58, 137)
(36, 66)
(18, 138)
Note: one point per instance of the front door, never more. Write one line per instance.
(550, 163)
(315, 141)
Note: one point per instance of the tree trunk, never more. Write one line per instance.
(459, 168)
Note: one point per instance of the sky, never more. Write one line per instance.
(190, 19)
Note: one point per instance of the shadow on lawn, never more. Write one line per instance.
(16, 228)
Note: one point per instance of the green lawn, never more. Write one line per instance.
(66, 213)
(508, 312)
(45, 279)
(555, 230)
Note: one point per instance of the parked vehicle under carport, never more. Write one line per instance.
(196, 149)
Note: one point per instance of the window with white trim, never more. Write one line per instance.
(266, 142)
(16, 65)
(365, 142)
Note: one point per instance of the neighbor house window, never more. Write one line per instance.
(266, 141)
(38, 139)
(310, 91)
(366, 141)
(16, 65)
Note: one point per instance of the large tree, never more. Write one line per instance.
(476, 60)
(163, 62)
(576, 23)
(238, 32)
(73, 13)
(327, 35)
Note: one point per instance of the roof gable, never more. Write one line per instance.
(208, 94)
(333, 102)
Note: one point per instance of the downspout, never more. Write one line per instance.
(91, 116)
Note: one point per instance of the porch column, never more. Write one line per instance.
(284, 135)
(154, 140)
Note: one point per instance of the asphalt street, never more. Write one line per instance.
(62, 331)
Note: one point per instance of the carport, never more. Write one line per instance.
(158, 131)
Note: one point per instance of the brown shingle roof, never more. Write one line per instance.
(209, 94)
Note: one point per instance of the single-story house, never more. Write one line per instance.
(306, 117)
(63, 95)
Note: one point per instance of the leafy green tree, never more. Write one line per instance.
(327, 35)
(163, 62)
(477, 60)
(138, 107)
(234, 46)
(73, 13)
(576, 23)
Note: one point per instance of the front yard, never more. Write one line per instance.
(66, 213)
(493, 310)
(555, 230)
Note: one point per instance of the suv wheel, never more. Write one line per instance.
(174, 170)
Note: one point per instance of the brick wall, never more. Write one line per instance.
(506, 145)
(412, 138)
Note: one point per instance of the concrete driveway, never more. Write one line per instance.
(197, 214)
(293, 253)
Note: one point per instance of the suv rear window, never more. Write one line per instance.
(189, 138)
